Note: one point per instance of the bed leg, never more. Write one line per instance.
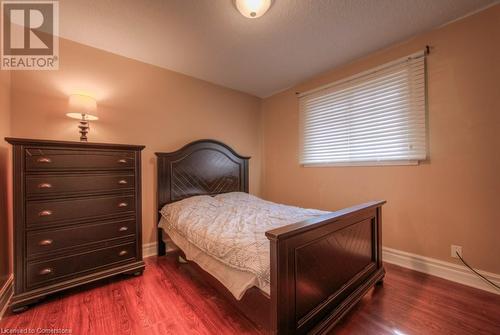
(380, 282)
(162, 248)
(181, 260)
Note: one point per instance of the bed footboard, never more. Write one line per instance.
(321, 267)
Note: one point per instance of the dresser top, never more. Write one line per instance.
(89, 145)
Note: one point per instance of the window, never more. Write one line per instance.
(377, 117)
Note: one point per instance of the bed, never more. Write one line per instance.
(317, 267)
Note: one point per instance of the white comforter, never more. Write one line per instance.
(231, 228)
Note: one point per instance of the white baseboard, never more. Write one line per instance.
(5, 294)
(446, 270)
(450, 271)
(149, 249)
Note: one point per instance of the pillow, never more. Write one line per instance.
(235, 196)
(186, 203)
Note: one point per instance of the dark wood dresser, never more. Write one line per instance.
(77, 215)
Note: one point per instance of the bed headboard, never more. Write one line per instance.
(204, 167)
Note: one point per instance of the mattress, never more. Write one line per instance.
(225, 235)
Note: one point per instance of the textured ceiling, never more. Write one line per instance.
(210, 40)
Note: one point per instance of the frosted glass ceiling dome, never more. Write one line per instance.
(253, 8)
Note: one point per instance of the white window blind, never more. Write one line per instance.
(375, 117)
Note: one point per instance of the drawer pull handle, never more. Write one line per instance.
(123, 228)
(45, 243)
(45, 272)
(45, 213)
(44, 185)
(122, 182)
(123, 253)
(122, 161)
(44, 160)
(122, 204)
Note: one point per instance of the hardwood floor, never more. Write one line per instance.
(168, 299)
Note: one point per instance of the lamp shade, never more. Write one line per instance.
(253, 8)
(82, 106)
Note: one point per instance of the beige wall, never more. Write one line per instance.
(453, 198)
(138, 104)
(449, 199)
(5, 231)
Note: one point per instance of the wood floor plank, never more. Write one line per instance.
(171, 299)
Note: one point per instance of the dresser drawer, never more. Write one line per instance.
(78, 209)
(38, 159)
(63, 238)
(59, 268)
(47, 185)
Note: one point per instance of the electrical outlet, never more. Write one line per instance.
(456, 249)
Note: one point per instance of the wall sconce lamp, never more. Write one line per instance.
(83, 108)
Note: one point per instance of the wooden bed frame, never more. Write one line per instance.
(320, 267)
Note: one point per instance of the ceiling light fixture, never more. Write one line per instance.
(253, 8)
